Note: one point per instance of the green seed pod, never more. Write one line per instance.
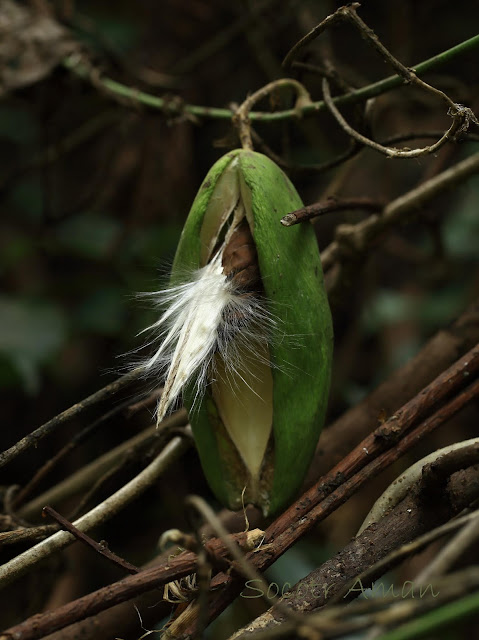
(256, 422)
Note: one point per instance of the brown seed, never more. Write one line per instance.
(240, 260)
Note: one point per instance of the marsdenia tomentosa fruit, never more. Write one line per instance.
(247, 337)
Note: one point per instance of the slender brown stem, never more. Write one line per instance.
(387, 443)
(356, 469)
(390, 152)
(331, 205)
(83, 537)
(312, 35)
(241, 119)
(356, 239)
(77, 439)
(32, 439)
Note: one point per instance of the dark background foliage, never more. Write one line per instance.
(94, 193)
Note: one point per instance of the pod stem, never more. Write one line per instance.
(241, 118)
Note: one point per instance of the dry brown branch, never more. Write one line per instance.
(390, 609)
(125, 617)
(437, 355)
(342, 481)
(313, 506)
(44, 623)
(172, 568)
(52, 462)
(21, 564)
(350, 571)
(88, 475)
(331, 205)
(343, 258)
(88, 541)
(360, 237)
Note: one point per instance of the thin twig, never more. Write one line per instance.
(348, 13)
(353, 150)
(32, 439)
(77, 439)
(89, 474)
(312, 35)
(331, 205)
(89, 542)
(462, 116)
(344, 479)
(265, 555)
(356, 239)
(392, 152)
(82, 68)
(241, 118)
(22, 563)
(409, 75)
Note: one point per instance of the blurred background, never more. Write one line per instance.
(94, 192)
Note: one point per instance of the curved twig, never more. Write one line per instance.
(82, 68)
(353, 150)
(241, 118)
(459, 116)
(312, 35)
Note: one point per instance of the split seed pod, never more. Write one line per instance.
(247, 340)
